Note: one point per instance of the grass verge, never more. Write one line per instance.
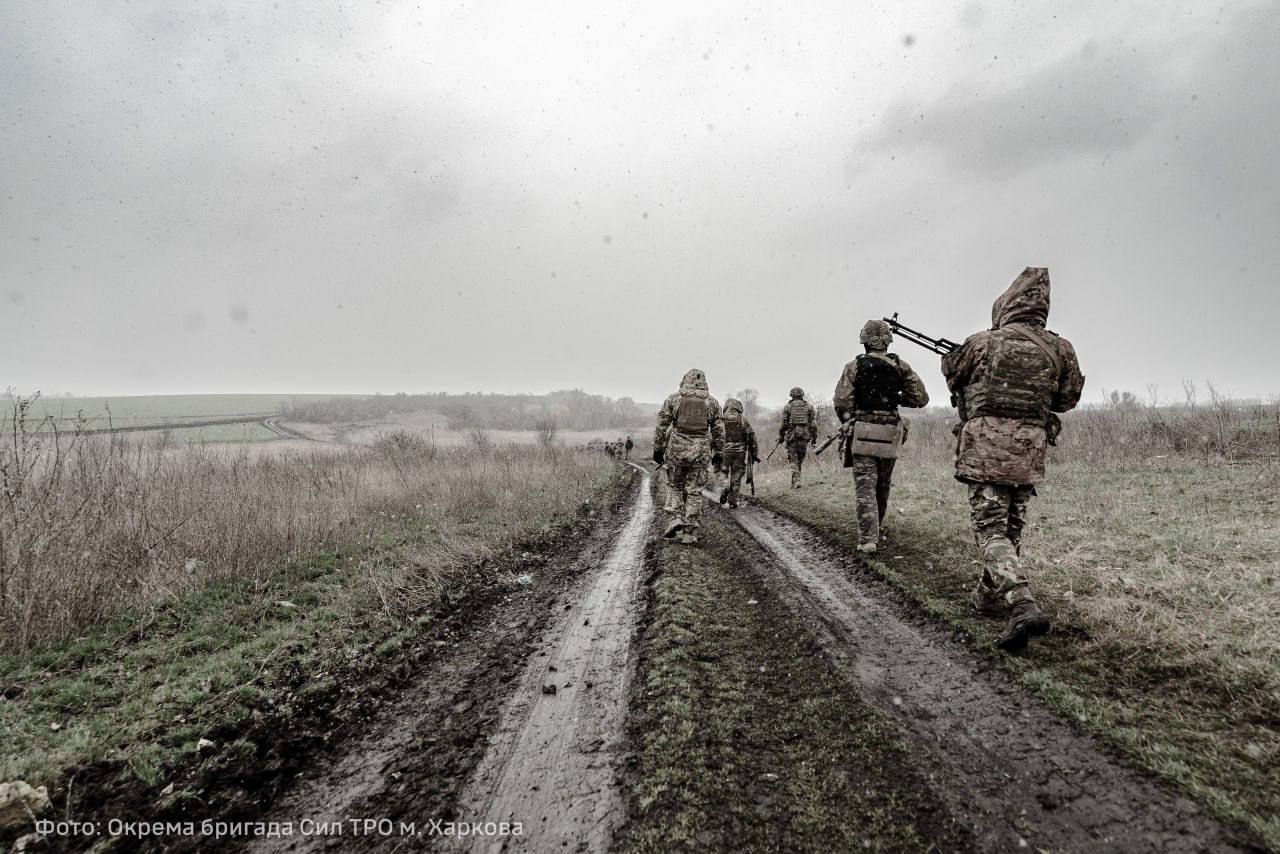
(1152, 650)
(203, 706)
(746, 738)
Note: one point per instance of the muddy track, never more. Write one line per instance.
(1006, 767)
(553, 764)
(474, 739)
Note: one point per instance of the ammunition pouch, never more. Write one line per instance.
(875, 440)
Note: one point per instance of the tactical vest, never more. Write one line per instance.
(1017, 379)
(798, 413)
(691, 415)
(733, 431)
(879, 384)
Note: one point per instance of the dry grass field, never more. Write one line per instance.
(153, 593)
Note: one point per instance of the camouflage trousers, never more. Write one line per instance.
(999, 514)
(684, 493)
(796, 451)
(733, 469)
(872, 478)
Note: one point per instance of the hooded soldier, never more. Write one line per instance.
(739, 447)
(688, 436)
(869, 392)
(799, 428)
(1008, 382)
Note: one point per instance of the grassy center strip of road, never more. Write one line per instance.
(1210, 729)
(204, 706)
(745, 735)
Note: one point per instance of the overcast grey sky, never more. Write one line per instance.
(529, 196)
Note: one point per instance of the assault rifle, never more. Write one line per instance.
(844, 428)
(941, 346)
(774, 451)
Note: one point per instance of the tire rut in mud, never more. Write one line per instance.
(553, 763)
(1007, 767)
(415, 758)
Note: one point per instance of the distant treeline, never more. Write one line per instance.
(564, 410)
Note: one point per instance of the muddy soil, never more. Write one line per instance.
(1017, 776)
(554, 760)
(472, 738)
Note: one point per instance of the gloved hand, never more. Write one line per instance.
(813, 443)
(716, 460)
(659, 455)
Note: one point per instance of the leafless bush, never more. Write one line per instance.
(90, 525)
(546, 430)
(480, 438)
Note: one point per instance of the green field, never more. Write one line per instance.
(145, 410)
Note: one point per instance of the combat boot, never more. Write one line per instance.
(724, 496)
(987, 602)
(868, 548)
(672, 530)
(733, 502)
(1025, 623)
(689, 538)
(795, 480)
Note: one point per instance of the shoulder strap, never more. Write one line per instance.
(1034, 336)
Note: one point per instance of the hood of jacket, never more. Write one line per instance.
(695, 384)
(1025, 301)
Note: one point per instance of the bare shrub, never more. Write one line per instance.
(480, 438)
(90, 525)
(546, 431)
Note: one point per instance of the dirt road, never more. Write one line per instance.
(523, 717)
(1013, 772)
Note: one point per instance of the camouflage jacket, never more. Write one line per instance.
(689, 448)
(1008, 381)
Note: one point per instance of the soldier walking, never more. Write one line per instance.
(688, 436)
(628, 445)
(799, 429)
(867, 397)
(739, 446)
(1008, 382)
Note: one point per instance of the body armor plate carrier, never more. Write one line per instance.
(879, 384)
(733, 431)
(798, 413)
(691, 417)
(1017, 381)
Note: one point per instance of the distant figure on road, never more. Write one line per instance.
(688, 436)
(799, 428)
(1008, 382)
(739, 446)
(628, 445)
(869, 392)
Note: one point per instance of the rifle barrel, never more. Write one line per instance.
(941, 346)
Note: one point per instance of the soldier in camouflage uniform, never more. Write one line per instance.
(739, 447)
(870, 390)
(1008, 382)
(799, 429)
(688, 436)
